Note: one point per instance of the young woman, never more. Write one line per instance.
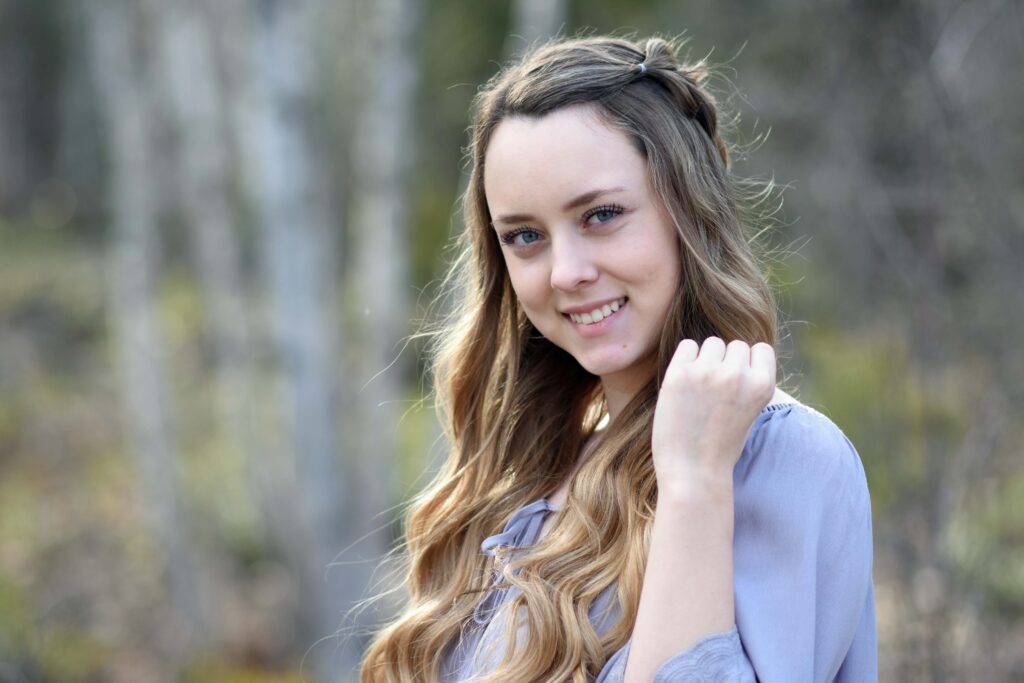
(627, 495)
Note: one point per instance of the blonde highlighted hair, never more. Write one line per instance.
(517, 409)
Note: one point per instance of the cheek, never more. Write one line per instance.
(535, 302)
(668, 258)
(528, 284)
(670, 285)
(650, 264)
(661, 274)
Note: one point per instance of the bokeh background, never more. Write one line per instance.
(219, 222)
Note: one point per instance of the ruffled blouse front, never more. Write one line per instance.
(522, 529)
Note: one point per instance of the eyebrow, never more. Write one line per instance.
(579, 201)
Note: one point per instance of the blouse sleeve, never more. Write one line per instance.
(802, 559)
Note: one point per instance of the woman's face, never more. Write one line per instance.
(590, 250)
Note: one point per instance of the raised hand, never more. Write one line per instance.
(708, 401)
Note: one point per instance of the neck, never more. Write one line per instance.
(620, 390)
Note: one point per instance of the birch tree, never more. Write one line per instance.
(118, 64)
(189, 66)
(275, 101)
(378, 286)
(534, 21)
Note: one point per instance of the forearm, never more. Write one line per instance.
(688, 584)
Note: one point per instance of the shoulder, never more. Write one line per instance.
(800, 492)
(799, 451)
(803, 550)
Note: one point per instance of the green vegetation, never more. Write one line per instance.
(894, 125)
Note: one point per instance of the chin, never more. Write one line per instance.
(603, 367)
(625, 365)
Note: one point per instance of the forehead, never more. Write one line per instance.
(534, 162)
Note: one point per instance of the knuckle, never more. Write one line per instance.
(728, 378)
(686, 346)
(696, 374)
(677, 376)
(761, 383)
(712, 342)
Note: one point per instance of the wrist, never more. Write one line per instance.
(695, 486)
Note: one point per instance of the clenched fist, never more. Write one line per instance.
(708, 401)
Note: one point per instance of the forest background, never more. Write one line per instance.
(219, 221)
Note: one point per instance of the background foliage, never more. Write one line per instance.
(219, 220)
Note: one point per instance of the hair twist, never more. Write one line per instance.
(683, 82)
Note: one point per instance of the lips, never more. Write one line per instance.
(598, 313)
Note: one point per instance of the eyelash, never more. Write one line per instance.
(510, 236)
(614, 209)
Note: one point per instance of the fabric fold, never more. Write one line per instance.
(524, 524)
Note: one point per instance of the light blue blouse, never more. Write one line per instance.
(802, 559)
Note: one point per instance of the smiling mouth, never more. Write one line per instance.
(598, 314)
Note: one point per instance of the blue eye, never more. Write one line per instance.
(603, 214)
(528, 237)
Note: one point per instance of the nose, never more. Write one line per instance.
(572, 265)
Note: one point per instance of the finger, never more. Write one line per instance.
(737, 353)
(762, 358)
(686, 352)
(712, 350)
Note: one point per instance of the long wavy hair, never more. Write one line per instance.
(517, 409)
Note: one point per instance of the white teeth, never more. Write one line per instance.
(598, 314)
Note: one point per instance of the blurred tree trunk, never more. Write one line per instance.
(278, 133)
(378, 285)
(189, 68)
(535, 21)
(118, 62)
(32, 56)
(270, 464)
